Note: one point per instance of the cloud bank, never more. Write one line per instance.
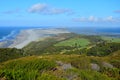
(96, 19)
(47, 10)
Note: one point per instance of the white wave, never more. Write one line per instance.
(12, 34)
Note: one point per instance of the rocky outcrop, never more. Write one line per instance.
(95, 67)
(107, 65)
(64, 66)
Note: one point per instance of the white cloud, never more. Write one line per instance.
(97, 19)
(92, 19)
(38, 8)
(109, 18)
(46, 9)
(84, 19)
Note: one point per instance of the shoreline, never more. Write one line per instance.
(25, 36)
(29, 35)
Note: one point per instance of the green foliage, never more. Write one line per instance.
(115, 63)
(90, 75)
(111, 72)
(82, 62)
(103, 49)
(45, 76)
(38, 47)
(19, 74)
(34, 64)
(10, 53)
(42, 68)
(92, 38)
(25, 70)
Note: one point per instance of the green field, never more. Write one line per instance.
(79, 42)
(111, 39)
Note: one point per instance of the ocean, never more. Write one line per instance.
(7, 33)
(95, 30)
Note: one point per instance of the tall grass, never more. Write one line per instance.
(25, 70)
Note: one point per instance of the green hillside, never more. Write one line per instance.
(80, 42)
(60, 67)
(62, 57)
(10, 53)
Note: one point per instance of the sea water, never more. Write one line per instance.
(95, 30)
(7, 33)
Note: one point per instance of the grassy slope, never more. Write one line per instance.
(45, 68)
(74, 42)
(10, 53)
(61, 44)
(75, 66)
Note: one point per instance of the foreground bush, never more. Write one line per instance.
(25, 70)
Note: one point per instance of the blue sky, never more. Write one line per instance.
(60, 13)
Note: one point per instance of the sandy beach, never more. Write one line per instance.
(27, 36)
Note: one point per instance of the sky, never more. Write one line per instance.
(96, 13)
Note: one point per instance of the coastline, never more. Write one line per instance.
(29, 35)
